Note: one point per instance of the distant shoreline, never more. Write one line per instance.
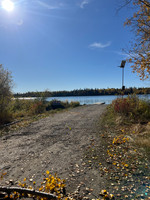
(86, 92)
(34, 97)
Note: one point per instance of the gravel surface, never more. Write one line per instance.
(57, 143)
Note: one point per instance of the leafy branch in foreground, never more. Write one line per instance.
(52, 187)
(16, 192)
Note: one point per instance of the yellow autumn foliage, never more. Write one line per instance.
(139, 54)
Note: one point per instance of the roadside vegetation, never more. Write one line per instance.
(24, 108)
(133, 115)
(14, 109)
(21, 112)
(126, 134)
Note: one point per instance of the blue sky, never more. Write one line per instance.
(66, 45)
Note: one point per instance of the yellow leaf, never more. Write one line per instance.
(40, 189)
(34, 182)
(126, 165)
(47, 172)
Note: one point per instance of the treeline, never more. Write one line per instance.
(85, 92)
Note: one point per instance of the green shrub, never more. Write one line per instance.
(48, 107)
(20, 104)
(5, 117)
(21, 107)
(74, 104)
(55, 104)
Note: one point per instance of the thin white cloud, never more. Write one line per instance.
(83, 3)
(123, 54)
(99, 45)
(45, 5)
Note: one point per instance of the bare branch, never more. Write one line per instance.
(9, 190)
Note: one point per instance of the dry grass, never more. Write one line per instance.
(133, 116)
(143, 139)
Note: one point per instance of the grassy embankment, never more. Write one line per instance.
(26, 111)
(131, 115)
(126, 133)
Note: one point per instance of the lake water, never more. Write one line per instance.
(93, 99)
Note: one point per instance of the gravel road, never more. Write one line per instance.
(57, 143)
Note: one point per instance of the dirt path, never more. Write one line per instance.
(57, 143)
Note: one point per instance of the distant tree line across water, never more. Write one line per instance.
(85, 92)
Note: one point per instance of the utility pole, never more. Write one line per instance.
(123, 66)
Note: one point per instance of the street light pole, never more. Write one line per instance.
(122, 77)
(122, 66)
